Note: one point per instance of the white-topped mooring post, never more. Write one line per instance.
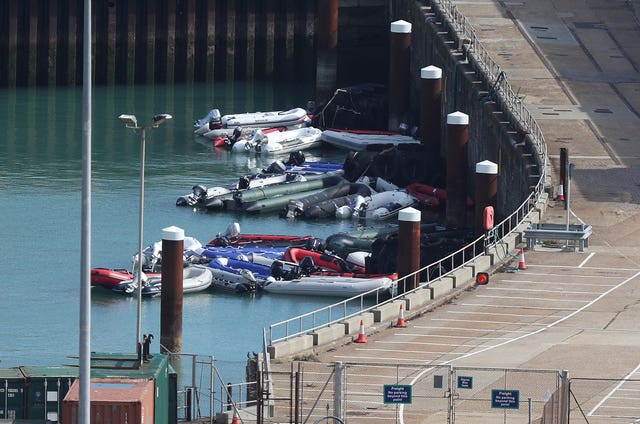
(431, 107)
(399, 72)
(408, 248)
(457, 162)
(486, 192)
(172, 290)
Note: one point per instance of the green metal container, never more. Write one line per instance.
(12, 393)
(45, 389)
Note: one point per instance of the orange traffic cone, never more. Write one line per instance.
(362, 338)
(521, 264)
(401, 322)
(236, 418)
(560, 195)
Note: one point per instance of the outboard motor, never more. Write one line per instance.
(251, 282)
(187, 200)
(212, 115)
(244, 182)
(359, 207)
(215, 120)
(237, 133)
(200, 191)
(307, 266)
(277, 167)
(233, 230)
(296, 158)
(315, 244)
(277, 270)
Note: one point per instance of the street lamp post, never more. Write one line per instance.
(131, 121)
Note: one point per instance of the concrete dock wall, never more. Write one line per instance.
(494, 134)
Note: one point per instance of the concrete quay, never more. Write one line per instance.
(575, 64)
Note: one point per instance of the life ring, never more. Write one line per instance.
(487, 218)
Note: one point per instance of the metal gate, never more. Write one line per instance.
(353, 393)
(506, 395)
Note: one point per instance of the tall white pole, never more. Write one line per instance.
(140, 237)
(84, 407)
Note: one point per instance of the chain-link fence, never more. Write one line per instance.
(604, 401)
(416, 393)
(506, 395)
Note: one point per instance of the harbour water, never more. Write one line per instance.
(40, 206)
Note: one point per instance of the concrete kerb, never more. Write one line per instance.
(352, 325)
(418, 298)
(442, 286)
(389, 311)
(291, 346)
(328, 334)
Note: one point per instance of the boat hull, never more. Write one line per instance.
(331, 286)
(361, 141)
(195, 279)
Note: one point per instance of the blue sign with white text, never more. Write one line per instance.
(398, 393)
(506, 399)
(465, 382)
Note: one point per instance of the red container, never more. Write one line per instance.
(113, 401)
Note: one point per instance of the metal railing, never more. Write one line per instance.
(506, 99)
(338, 312)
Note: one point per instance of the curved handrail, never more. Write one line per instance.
(505, 99)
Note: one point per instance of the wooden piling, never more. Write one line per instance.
(431, 107)
(486, 192)
(408, 248)
(399, 72)
(457, 164)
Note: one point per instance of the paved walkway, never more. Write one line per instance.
(576, 64)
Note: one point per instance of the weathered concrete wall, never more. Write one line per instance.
(492, 136)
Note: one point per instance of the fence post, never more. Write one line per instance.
(564, 399)
(297, 398)
(189, 403)
(211, 385)
(337, 390)
(259, 396)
